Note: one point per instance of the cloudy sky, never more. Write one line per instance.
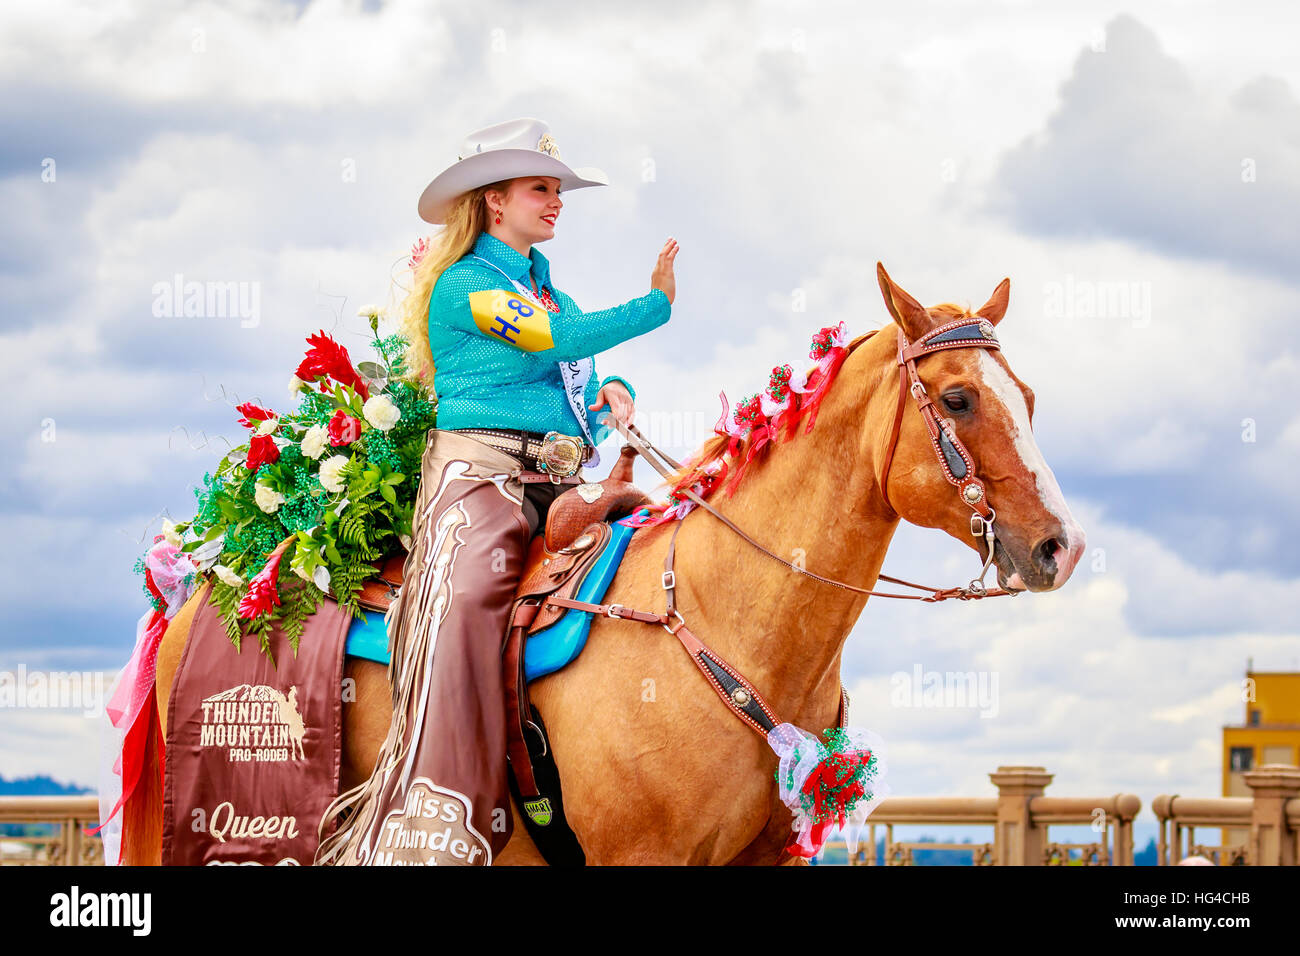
(1083, 149)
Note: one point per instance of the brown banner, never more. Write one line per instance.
(253, 750)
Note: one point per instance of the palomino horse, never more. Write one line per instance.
(654, 768)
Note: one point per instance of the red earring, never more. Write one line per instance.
(498, 219)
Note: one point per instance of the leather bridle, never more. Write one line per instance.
(954, 460)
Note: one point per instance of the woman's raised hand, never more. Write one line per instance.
(662, 277)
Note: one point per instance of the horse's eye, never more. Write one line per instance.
(955, 403)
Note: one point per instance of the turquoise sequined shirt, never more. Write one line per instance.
(483, 381)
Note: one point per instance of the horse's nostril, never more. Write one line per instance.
(1046, 552)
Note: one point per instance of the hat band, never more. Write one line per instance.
(545, 145)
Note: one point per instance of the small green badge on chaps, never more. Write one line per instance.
(539, 811)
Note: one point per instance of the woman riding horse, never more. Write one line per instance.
(509, 357)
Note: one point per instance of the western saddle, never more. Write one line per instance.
(577, 528)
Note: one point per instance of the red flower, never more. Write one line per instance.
(326, 357)
(749, 412)
(262, 450)
(257, 414)
(343, 429)
(262, 592)
(821, 343)
(778, 385)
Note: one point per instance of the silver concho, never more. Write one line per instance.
(986, 329)
(590, 491)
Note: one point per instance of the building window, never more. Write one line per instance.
(1254, 718)
(1241, 758)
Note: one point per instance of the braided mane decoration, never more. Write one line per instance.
(741, 436)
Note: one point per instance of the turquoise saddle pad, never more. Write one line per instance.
(544, 652)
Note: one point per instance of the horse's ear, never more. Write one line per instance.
(996, 306)
(910, 315)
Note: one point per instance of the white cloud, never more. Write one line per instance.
(1135, 138)
(62, 744)
(268, 54)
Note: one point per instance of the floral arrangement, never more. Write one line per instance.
(827, 785)
(316, 498)
(740, 435)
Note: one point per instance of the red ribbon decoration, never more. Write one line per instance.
(829, 804)
(135, 738)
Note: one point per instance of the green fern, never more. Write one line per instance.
(353, 529)
(226, 600)
(298, 604)
(346, 581)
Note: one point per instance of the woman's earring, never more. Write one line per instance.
(498, 218)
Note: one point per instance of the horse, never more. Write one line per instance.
(654, 769)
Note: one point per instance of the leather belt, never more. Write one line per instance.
(555, 454)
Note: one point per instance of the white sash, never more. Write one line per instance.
(575, 374)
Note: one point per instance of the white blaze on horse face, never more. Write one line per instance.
(1049, 492)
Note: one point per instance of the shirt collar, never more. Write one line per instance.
(511, 262)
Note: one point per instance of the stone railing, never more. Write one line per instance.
(1271, 814)
(1020, 815)
(66, 845)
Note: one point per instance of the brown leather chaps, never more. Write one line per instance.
(438, 794)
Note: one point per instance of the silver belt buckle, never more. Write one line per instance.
(561, 456)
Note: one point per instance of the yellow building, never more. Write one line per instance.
(1270, 734)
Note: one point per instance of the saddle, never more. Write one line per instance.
(573, 512)
(577, 531)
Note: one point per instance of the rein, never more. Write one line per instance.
(736, 692)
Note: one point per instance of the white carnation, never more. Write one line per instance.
(268, 426)
(267, 498)
(366, 311)
(380, 412)
(227, 576)
(313, 441)
(329, 473)
(296, 385)
(169, 533)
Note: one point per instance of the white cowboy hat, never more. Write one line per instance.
(519, 147)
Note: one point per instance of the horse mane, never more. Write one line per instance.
(724, 454)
